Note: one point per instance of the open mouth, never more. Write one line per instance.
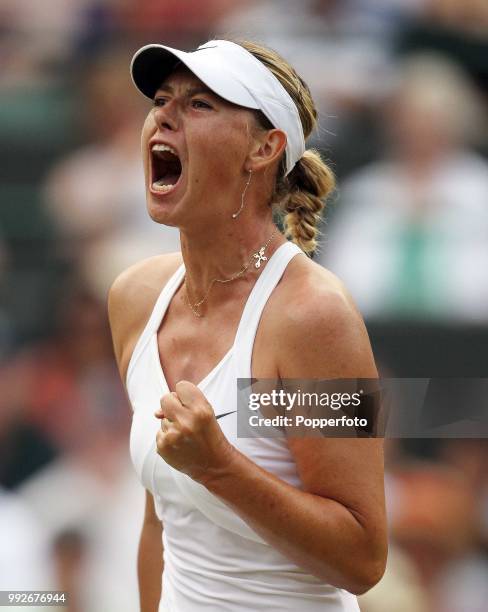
(166, 168)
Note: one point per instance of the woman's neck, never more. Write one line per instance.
(222, 255)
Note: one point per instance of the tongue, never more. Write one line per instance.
(168, 179)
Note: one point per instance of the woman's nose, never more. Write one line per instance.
(166, 118)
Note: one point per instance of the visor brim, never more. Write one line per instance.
(153, 63)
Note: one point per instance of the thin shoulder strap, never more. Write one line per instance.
(156, 316)
(251, 316)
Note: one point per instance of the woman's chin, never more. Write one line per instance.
(162, 203)
(161, 210)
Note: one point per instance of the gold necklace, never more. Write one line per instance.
(258, 258)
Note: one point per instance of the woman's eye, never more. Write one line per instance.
(159, 101)
(197, 103)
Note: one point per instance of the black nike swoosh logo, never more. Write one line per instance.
(225, 414)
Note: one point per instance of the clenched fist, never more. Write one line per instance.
(190, 439)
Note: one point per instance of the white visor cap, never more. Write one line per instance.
(234, 74)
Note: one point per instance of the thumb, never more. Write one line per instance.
(159, 413)
(188, 393)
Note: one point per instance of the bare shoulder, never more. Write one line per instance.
(131, 299)
(320, 330)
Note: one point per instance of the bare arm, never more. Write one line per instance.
(150, 559)
(335, 527)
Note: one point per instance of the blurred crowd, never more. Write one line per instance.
(401, 88)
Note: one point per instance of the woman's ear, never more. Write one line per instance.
(267, 148)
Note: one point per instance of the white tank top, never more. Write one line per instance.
(213, 561)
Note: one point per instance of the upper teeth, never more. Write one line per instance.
(164, 147)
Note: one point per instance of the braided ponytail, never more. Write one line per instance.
(304, 192)
(301, 195)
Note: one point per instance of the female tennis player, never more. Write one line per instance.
(240, 524)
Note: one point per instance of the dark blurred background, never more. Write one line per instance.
(402, 92)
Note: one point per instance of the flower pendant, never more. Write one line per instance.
(260, 256)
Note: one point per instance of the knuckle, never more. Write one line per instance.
(163, 402)
(172, 438)
(166, 399)
(160, 440)
(203, 415)
(207, 407)
(185, 430)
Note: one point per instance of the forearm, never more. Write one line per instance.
(150, 566)
(318, 534)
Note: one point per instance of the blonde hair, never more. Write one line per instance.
(300, 196)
